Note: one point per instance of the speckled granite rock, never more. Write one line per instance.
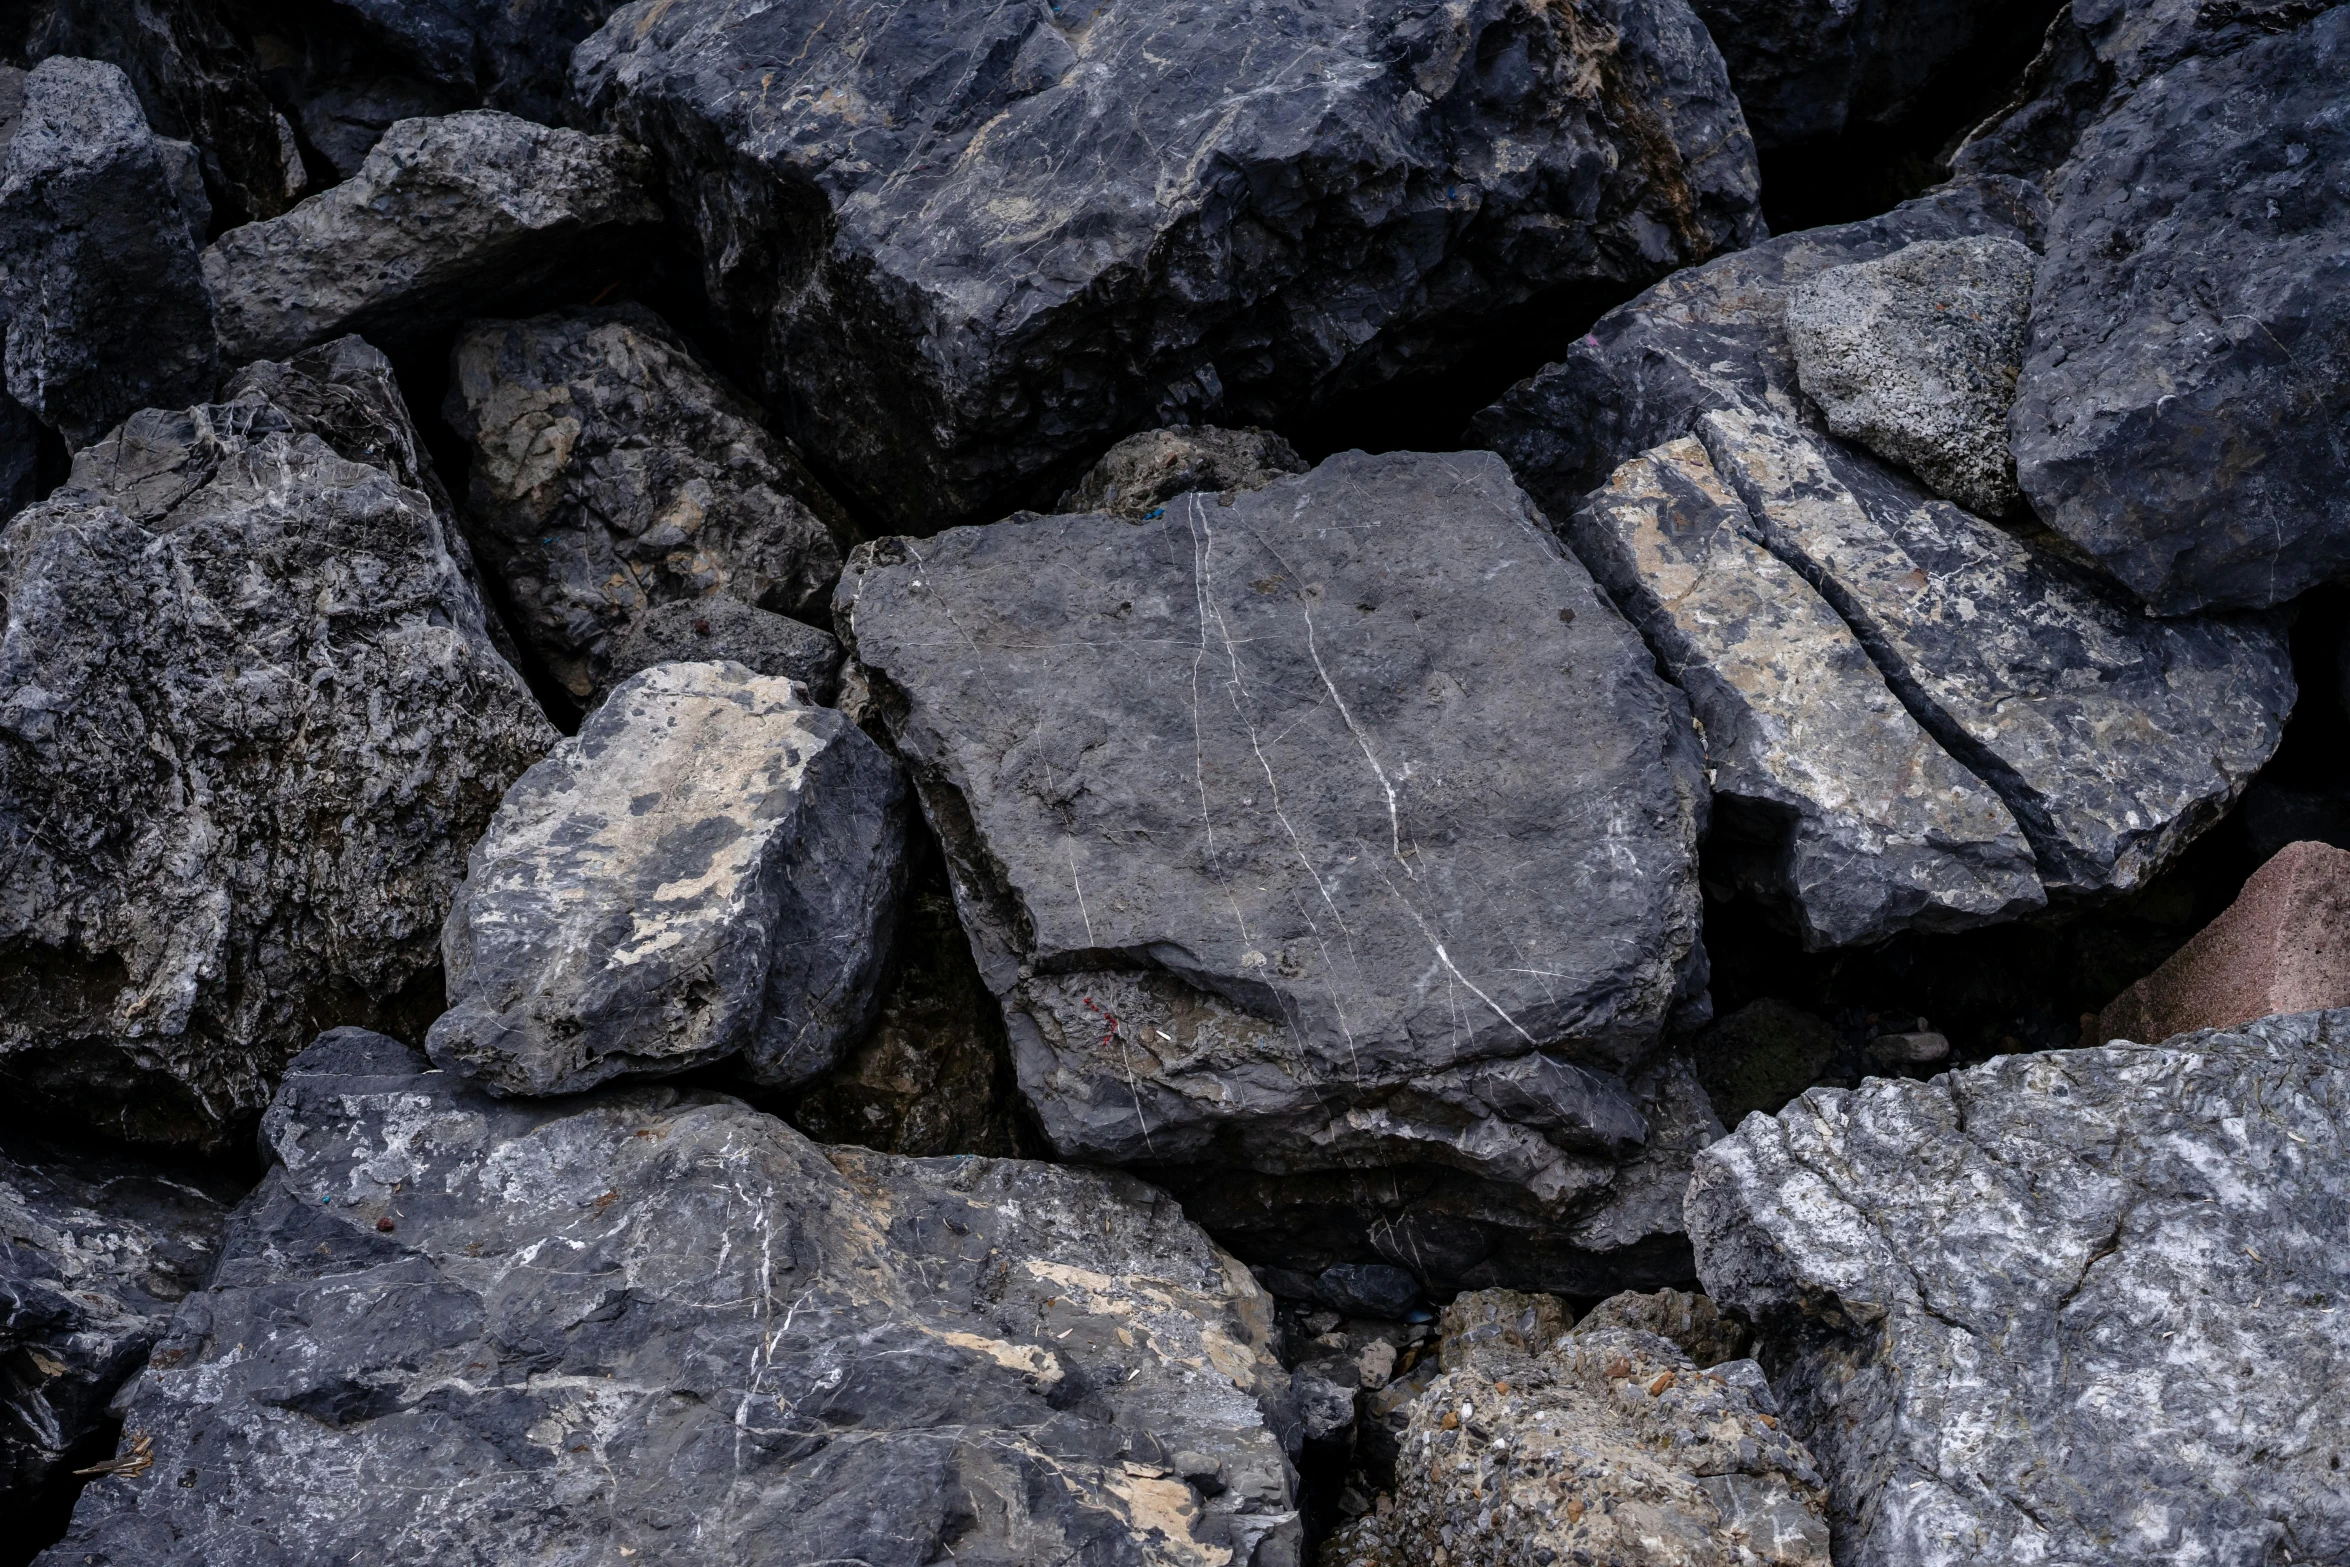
(613, 472)
(1144, 472)
(2059, 1306)
(250, 720)
(1690, 1322)
(968, 245)
(663, 1326)
(709, 868)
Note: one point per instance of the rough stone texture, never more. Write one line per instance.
(447, 218)
(96, 1250)
(719, 629)
(663, 1326)
(1144, 472)
(1833, 804)
(1691, 1322)
(1494, 1326)
(250, 720)
(2185, 409)
(1761, 1056)
(2064, 1307)
(1915, 355)
(2282, 946)
(1338, 828)
(709, 868)
(1825, 67)
(100, 223)
(612, 472)
(1043, 228)
(2114, 740)
(1608, 1445)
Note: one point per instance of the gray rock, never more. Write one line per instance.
(2112, 739)
(1608, 1445)
(20, 457)
(718, 629)
(709, 868)
(612, 473)
(1340, 827)
(660, 1325)
(447, 218)
(250, 719)
(1832, 801)
(1829, 67)
(100, 223)
(2185, 409)
(2059, 1304)
(1915, 355)
(1690, 1322)
(96, 1251)
(966, 246)
(1144, 472)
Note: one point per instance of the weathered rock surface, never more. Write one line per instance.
(722, 630)
(100, 224)
(1819, 69)
(2282, 946)
(250, 721)
(2185, 409)
(1339, 828)
(709, 868)
(448, 218)
(1144, 472)
(1607, 1445)
(96, 1251)
(1836, 803)
(2113, 740)
(2062, 1305)
(613, 472)
(1040, 229)
(1915, 355)
(1690, 1322)
(662, 1325)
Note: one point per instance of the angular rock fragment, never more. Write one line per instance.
(2282, 946)
(1837, 803)
(447, 218)
(722, 630)
(660, 1325)
(2058, 1305)
(100, 224)
(710, 868)
(1144, 472)
(1068, 224)
(612, 473)
(1340, 828)
(1826, 68)
(1915, 355)
(250, 719)
(96, 1252)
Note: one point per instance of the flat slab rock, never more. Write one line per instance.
(1340, 826)
(709, 868)
(250, 720)
(1045, 227)
(2058, 1305)
(663, 1325)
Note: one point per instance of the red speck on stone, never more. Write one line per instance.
(385, 1224)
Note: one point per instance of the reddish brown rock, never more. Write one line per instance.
(2282, 946)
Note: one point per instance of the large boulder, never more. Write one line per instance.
(966, 246)
(96, 1252)
(2058, 1306)
(2113, 740)
(448, 218)
(1824, 68)
(709, 868)
(250, 721)
(100, 224)
(662, 1326)
(613, 472)
(1329, 827)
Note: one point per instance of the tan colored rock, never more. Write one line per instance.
(1688, 1319)
(2282, 946)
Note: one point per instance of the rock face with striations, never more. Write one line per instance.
(613, 472)
(96, 1252)
(751, 1349)
(250, 720)
(965, 246)
(2058, 1305)
(709, 868)
(447, 218)
(1339, 827)
(100, 224)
